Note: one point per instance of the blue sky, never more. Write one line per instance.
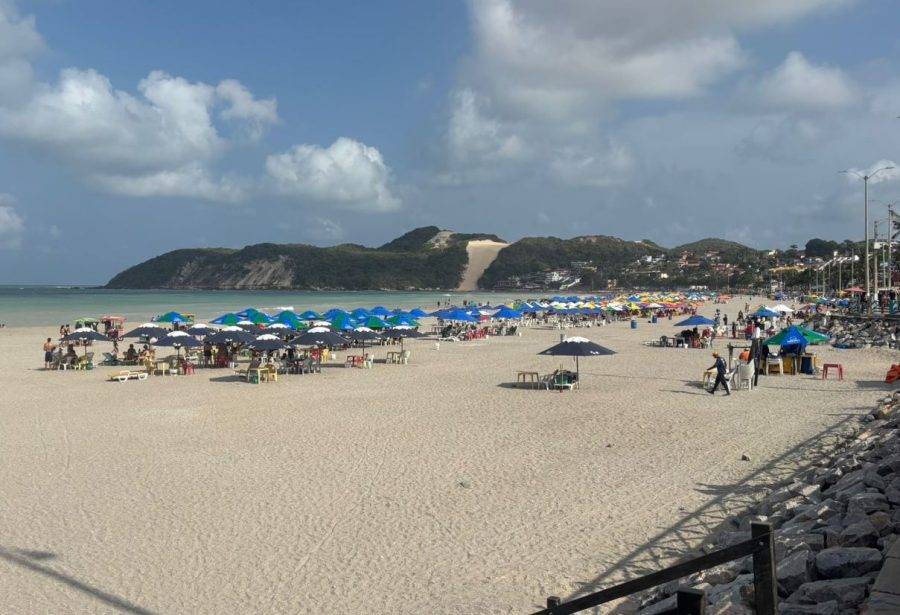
(131, 128)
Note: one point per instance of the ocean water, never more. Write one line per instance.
(54, 305)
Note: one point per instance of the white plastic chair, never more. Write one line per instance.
(745, 376)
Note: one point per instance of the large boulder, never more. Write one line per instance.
(794, 571)
(843, 562)
(867, 503)
(846, 592)
(860, 534)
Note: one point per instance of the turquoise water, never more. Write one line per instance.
(48, 305)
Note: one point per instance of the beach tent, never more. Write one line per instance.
(765, 313)
(790, 340)
(696, 321)
(577, 347)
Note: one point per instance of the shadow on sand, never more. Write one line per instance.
(29, 560)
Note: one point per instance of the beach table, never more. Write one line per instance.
(534, 378)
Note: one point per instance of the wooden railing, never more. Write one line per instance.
(761, 547)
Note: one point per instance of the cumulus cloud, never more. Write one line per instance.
(12, 226)
(242, 106)
(346, 173)
(546, 77)
(799, 84)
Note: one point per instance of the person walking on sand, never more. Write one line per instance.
(721, 368)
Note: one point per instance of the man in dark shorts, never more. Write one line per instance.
(49, 347)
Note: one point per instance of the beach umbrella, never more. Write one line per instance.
(360, 313)
(172, 317)
(507, 313)
(790, 340)
(418, 313)
(148, 330)
(343, 322)
(310, 315)
(321, 323)
(402, 332)
(334, 312)
(380, 310)
(459, 316)
(279, 330)
(226, 319)
(362, 334)
(577, 347)
(200, 330)
(83, 334)
(179, 340)
(696, 321)
(231, 337)
(266, 342)
(319, 338)
(288, 318)
(789, 334)
(373, 322)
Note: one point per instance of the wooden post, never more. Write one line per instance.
(764, 587)
(552, 603)
(691, 601)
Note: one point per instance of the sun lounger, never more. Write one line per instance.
(125, 375)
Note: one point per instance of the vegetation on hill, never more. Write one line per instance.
(725, 249)
(405, 263)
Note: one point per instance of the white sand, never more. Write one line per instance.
(482, 253)
(419, 488)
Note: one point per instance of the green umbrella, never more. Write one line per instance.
(812, 337)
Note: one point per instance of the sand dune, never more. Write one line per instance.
(431, 487)
(481, 254)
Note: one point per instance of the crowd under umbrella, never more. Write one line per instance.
(179, 340)
(577, 347)
(84, 334)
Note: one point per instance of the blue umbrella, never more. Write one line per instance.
(459, 316)
(310, 315)
(333, 313)
(172, 317)
(360, 313)
(505, 312)
(380, 310)
(418, 313)
(696, 321)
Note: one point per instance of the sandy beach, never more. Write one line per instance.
(430, 487)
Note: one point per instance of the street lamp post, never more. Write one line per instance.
(866, 179)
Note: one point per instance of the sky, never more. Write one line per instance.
(131, 128)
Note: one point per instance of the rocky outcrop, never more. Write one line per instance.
(860, 332)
